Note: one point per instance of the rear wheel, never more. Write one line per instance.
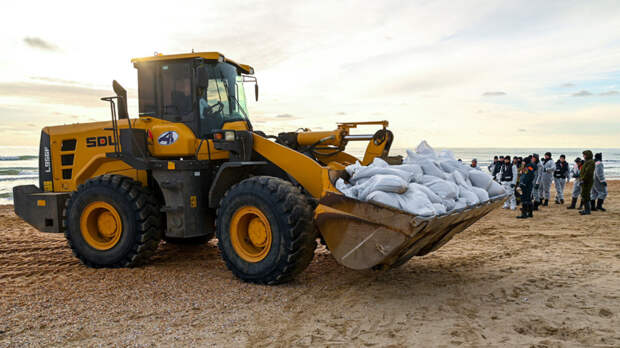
(265, 230)
(112, 221)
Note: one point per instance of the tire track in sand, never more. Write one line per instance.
(26, 255)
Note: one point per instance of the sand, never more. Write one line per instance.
(551, 281)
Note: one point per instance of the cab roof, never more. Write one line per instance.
(204, 55)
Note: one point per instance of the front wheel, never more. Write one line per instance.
(265, 230)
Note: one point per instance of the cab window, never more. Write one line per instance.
(146, 90)
(223, 99)
(176, 87)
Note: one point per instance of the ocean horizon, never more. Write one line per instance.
(19, 164)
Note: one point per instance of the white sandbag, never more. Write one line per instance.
(427, 179)
(412, 157)
(480, 179)
(350, 192)
(460, 180)
(432, 196)
(425, 184)
(352, 168)
(361, 181)
(416, 202)
(368, 172)
(469, 184)
(425, 149)
(430, 168)
(460, 205)
(468, 196)
(483, 195)
(378, 162)
(464, 170)
(341, 184)
(444, 189)
(388, 198)
(385, 183)
(412, 168)
(449, 204)
(450, 178)
(345, 188)
(495, 189)
(448, 165)
(439, 208)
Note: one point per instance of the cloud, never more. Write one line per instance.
(55, 94)
(493, 94)
(37, 42)
(582, 93)
(568, 84)
(55, 80)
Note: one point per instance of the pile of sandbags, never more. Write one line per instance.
(426, 184)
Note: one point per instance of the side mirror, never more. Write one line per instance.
(202, 79)
(256, 90)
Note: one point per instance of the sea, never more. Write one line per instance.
(19, 165)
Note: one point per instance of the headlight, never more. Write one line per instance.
(229, 136)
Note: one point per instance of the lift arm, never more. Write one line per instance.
(307, 172)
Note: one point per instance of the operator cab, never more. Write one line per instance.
(203, 90)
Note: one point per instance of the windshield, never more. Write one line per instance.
(224, 98)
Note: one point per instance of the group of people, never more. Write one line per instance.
(529, 181)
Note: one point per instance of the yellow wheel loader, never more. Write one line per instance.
(192, 166)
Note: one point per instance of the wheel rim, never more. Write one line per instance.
(101, 225)
(250, 234)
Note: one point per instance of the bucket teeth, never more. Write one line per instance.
(363, 235)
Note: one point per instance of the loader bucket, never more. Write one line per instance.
(363, 235)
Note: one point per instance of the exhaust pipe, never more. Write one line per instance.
(121, 93)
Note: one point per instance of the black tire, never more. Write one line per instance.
(139, 212)
(290, 220)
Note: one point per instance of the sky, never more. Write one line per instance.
(457, 74)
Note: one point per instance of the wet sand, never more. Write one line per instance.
(551, 281)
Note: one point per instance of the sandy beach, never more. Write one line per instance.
(551, 281)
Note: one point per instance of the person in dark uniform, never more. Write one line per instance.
(559, 179)
(587, 180)
(526, 185)
(537, 193)
(498, 168)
